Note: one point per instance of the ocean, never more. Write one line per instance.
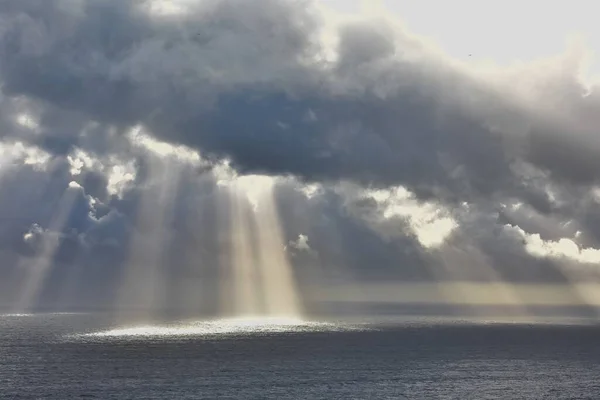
(78, 356)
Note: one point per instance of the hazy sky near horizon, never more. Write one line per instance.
(395, 141)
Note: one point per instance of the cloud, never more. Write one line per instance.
(427, 221)
(262, 64)
(301, 243)
(394, 159)
(17, 153)
(563, 248)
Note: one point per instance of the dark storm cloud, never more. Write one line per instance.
(554, 148)
(248, 82)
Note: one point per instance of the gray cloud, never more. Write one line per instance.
(239, 81)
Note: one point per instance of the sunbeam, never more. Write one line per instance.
(587, 293)
(454, 262)
(279, 285)
(245, 291)
(142, 290)
(259, 278)
(38, 270)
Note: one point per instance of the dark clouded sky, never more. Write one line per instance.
(147, 149)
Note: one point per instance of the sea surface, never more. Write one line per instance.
(85, 356)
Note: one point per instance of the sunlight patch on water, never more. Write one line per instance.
(16, 315)
(28, 315)
(245, 325)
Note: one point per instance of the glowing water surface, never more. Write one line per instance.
(244, 325)
(23, 315)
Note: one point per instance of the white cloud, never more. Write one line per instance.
(299, 246)
(430, 222)
(120, 177)
(27, 121)
(75, 185)
(120, 174)
(140, 139)
(33, 232)
(561, 249)
(311, 190)
(79, 159)
(301, 243)
(17, 153)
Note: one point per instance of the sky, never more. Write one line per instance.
(282, 155)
